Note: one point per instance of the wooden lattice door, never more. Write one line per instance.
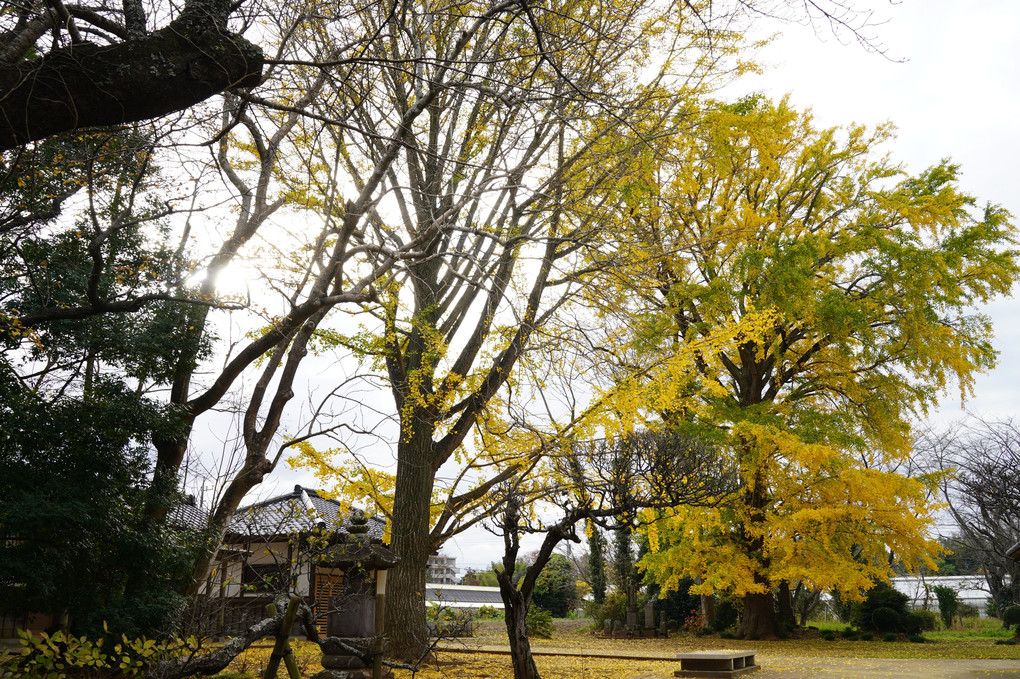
(328, 583)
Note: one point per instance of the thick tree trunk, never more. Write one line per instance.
(708, 609)
(516, 615)
(759, 619)
(787, 620)
(405, 590)
(87, 85)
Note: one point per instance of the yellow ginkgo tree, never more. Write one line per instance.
(861, 281)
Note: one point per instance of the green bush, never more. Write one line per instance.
(1005, 642)
(849, 633)
(60, 655)
(917, 638)
(966, 610)
(539, 623)
(450, 622)
(829, 635)
(490, 613)
(885, 619)
(727, 635)
(867, 636)
(949, 602)
(613, 608)
(679, 605)
(726, 614)
(890, 637)
(929, 619)
(869, 614)
(1011, 616)
(911, 623)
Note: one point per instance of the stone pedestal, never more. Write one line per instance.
(340, 660)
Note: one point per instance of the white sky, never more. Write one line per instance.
(951, 83)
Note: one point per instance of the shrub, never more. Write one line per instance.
(949, 602)
(679, 604)
(890, 637)
(881, 597)
(726, 614)
(885, 619)
(613, 608)
(867, 636)
(1011, 616)
(60, 655)
(911, 623)
(917, 638)
(490, 613)
(727, 635)
(966, 610)
(450, 622)
(828, 635)
(849, 633)
(929, 619)
(539, 623)
(1005, 642)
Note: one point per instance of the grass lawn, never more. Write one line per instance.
(972, 639)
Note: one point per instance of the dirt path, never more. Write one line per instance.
(786, 667)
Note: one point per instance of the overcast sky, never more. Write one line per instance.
(950, 81)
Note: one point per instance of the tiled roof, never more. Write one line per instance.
(297, 512)
(188, 515)
(459, 595)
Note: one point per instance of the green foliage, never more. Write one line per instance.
(849, 633)
(727, 610)
(949, 603)
(829, 635)
(614, 607)
(556, 586)
(867, 636)
(73, 481)
(917, 639)
(883, 610)
(679, 604)
(490, 613)
(447, 622)
(1011, 617)
(912, 623)
(891, 636)
(539, 623)
(884, 619)
(965, 610)
(62, 655)
(929, 620)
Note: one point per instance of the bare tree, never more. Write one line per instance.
(979, 463)
(626, 479)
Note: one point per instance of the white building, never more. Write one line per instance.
(970, 589)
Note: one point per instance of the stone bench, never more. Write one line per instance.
(724, 663)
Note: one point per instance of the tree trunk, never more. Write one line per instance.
(759, 619)
(516, 615)
(405, 591)
(787, 620)
(708, 609)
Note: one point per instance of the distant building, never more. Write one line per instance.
(970, 589)
(442, 570)
(462, 596)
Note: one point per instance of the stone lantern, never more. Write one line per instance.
(354, 626)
